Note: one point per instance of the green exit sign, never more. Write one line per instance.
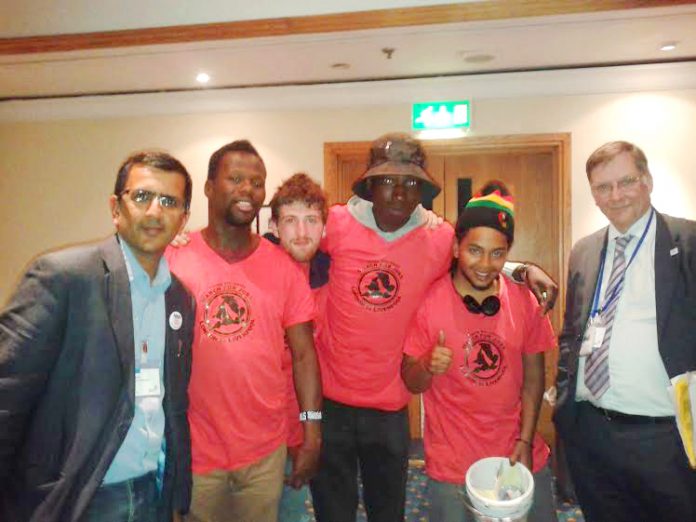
(441, 115)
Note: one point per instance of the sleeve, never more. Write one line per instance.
(443, 259)
(31, 330)
(540, 335)
(568, 335)
(419, 340)
(299, 301)
(328, 242)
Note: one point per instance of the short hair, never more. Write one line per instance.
(235, 146)
(609, 151)
(153, 159)
(299, 188)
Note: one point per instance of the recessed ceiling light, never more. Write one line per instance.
(668, 46)
(340, 65)
(203, 77)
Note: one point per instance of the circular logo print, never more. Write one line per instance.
(227, 314)
(378, 286)
(484, 358)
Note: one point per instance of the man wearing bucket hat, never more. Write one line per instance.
(382, 261)
(476, 348)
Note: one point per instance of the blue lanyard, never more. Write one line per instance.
(615, 293)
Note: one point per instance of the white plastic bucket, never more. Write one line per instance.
(480, 484)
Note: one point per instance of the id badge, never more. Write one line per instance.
(147, 382)
(593, 337)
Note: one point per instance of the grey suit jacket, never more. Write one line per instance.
(67, 384)
(675, 301)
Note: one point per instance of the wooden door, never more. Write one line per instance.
(534, 167)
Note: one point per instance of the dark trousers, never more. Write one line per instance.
(376, 441)
(627, 470)
(134, 500)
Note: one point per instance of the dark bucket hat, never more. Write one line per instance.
(397, 154)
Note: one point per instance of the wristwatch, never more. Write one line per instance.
(310, 416)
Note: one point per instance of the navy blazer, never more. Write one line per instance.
(675, 301)
(67, 384)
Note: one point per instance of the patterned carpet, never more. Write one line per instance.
(417, 504)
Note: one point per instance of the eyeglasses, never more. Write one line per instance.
(623, 185)
(143, 198)
(392, 181)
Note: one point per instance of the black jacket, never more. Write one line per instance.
(67, 384)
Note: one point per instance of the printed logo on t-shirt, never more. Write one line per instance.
(484, 358)
(226, 313)
(378, 286)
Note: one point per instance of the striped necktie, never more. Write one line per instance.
(597, 364)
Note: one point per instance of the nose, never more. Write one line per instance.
(398, 192)
(616, 192)
(301, 228)
(154, 208)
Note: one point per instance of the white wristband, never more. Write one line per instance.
(310, 416)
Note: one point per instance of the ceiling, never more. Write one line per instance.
(338, 55)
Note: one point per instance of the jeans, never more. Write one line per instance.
(293, 502)
(372, 440)
(134, 500)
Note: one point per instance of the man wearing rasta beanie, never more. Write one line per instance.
(476, 352)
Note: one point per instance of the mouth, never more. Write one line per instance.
(152, 230)
(244, 205)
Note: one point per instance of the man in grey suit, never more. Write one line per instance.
(628, 329)
(94, 366)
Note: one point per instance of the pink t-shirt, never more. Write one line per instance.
(237, 392)
(374, 288)
(473, 411)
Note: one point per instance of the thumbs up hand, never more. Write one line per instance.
(440, 357)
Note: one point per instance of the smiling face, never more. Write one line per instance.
(147, 226)
(394, 198)
(237, 190)
(300, 227)
(480, 254)
(621, 190)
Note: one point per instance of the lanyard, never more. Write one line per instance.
(615, 292)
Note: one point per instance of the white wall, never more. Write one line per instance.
(55, 176)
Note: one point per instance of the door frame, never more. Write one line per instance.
(558, 144)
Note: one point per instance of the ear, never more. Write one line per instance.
(649, 182)
(115, 206)
(273, 227)
(455, 248)
(184, 219)
(207, 188)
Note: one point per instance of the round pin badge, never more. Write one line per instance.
(175, 320)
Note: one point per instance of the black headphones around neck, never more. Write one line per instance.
(488, 307)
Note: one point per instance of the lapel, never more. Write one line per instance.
(118, 302)
(666, 272)
(595, 252)
(173, 344)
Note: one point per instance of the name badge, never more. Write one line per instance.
(147, 382)
(593, 337)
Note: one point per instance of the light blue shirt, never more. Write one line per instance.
(638, 379)
(140, 451)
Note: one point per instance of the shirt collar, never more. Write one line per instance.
(361, 210)
(137, 274)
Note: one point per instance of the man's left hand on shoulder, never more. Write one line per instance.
(545, 289)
